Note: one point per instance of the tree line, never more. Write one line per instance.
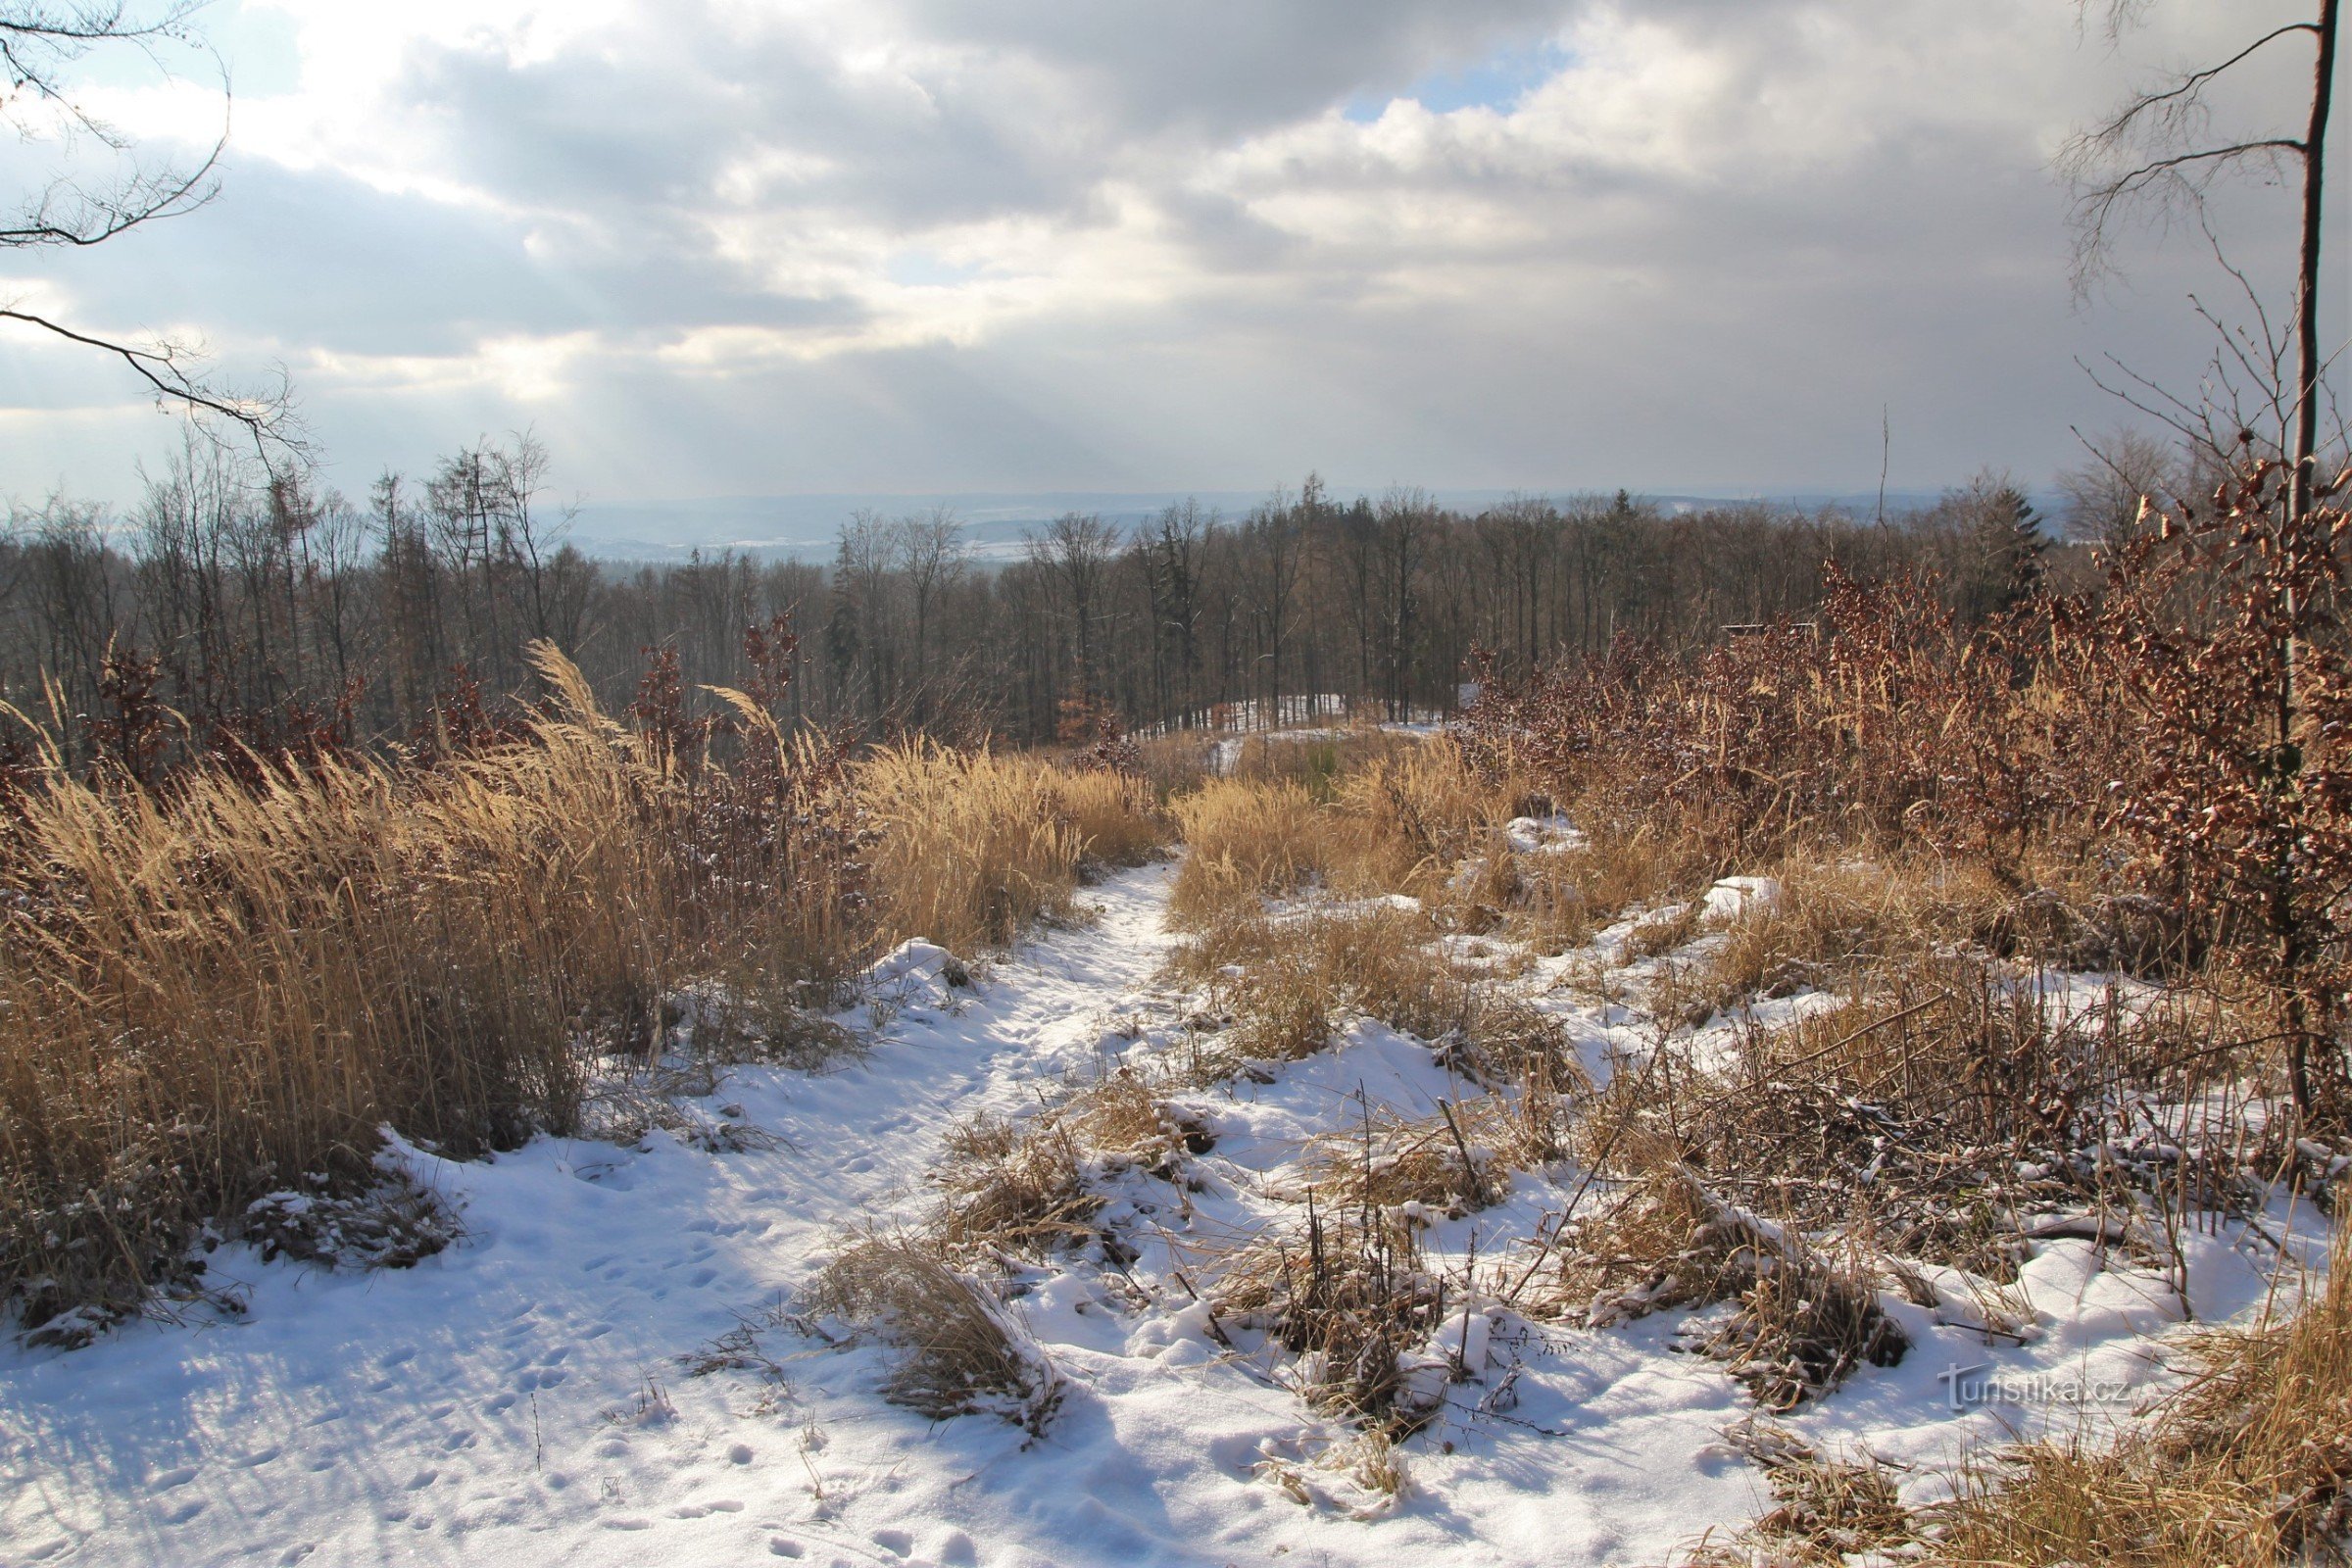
(267, 613)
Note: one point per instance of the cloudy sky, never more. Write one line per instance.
(740, 247)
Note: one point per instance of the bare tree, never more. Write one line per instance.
(42, 43)
(1075, 551)
(2102, 495)
(931, 551)
(2158, 152)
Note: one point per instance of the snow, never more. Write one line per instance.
(1736, 898)
(520, 1399)
(1543, 835)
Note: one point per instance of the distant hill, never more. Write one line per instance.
(803, 527)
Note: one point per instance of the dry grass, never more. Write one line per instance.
(1399, 819)
(1012, 1187)
(1288, 983)
(1348, 1295)
(2250, 1463)
(1449, 1163)
(1835, 919)
(1247, 841)
(976, 845)
(214, 994)
(1177, 764)
(1315, 763)
(223, 990)
(1409, 819)
(1824, 1510)
(960, 1351)
(1804, 1321)
(1622, 864)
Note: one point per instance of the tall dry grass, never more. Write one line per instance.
(225, 990)
(1245, 841)
(975, 846)
(1396, 818)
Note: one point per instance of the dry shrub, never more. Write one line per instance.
(1452, 1162)
(1346, 1294)
(976, 845)
(1247, 841)
(962, 1351)
(1802, 1323)
(214, 993)
(1014, 1188)
(1883, 721)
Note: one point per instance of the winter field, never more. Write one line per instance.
(1333, 1151)
(608, 1366)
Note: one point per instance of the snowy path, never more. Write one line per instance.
(519, 1399)
(456, 1412)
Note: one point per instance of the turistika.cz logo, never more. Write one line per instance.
(1967, 1386)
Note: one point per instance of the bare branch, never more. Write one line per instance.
(2187, 89)
(268, 419)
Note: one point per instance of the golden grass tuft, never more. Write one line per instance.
(1836, 917)
(1014, 1188)
(976, 845)
(1406, 821)
(1246, 841)
(960, 1353)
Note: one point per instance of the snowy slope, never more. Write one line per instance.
(521, 1398)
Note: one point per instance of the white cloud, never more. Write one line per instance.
(1704, 249)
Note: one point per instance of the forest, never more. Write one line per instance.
(277, 612)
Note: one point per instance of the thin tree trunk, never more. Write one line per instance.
(2307, 324)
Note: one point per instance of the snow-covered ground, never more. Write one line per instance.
(529, 1397)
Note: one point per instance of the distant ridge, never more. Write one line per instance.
(803, 527)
